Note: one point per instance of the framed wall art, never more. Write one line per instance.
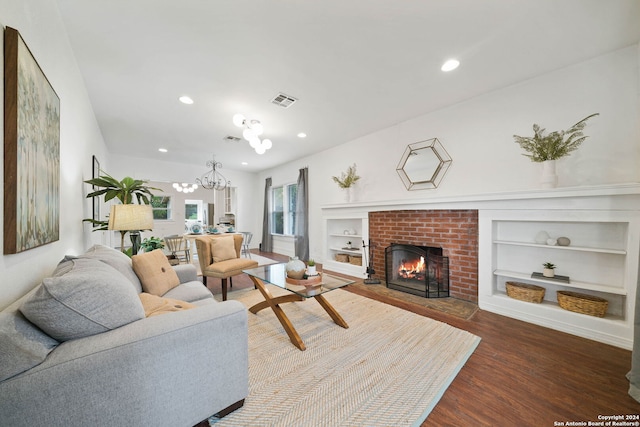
(95, 173)
(31, 150)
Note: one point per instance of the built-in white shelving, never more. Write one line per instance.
(601, 260)
(338, 232)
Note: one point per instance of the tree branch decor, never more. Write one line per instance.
(555, 145)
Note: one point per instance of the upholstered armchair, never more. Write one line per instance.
(219, 256)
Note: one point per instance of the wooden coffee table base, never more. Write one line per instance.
(274, 303)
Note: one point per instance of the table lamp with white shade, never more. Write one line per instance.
(132, 218)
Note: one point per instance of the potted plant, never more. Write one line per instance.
(152, 243)
(546, 149)
(124, 190)
(311, 267)
(347, 180)
(548, 270)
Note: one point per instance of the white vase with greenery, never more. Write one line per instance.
(346, 181)
(546, 149)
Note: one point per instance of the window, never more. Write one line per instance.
(283, 214)
(161, 206)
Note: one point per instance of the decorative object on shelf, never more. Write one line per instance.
(295, 268)
(546, 149)
(342, 257)
(549, 269)
(31, 151)
(349, 245)
(347, 180)
(213, 180)
(196, 229)
(552, 242)
(555, 278)
(185, 187)
(252, 130)
(564, 241)
(525, 292)
(355, 259)
(582, 303)
(541, 237)
(423, 165)
(152, 243)
(311, 267)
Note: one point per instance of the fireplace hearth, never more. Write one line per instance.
(418, 270)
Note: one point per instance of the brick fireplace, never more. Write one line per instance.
(456, 231)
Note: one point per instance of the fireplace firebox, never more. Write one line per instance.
(418, 270)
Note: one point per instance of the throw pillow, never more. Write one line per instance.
(115, 259)
(89, 299)
(155, 305)
(223, 248)
(155, 272)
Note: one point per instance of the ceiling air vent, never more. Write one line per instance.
(230, 138)
(283, 100)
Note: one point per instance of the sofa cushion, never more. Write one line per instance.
(155, 272)
(155, 305)
(223, 248)
(89, 299)
(22, 344)
(115, 259)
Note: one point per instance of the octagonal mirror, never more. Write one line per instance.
(423, 165)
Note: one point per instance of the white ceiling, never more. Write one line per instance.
(356, 66)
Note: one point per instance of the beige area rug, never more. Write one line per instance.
(390, 367)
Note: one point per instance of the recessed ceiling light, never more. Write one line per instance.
(302, 135)
(162, 150)
(450, 65)
(244, 163)
(186, 100)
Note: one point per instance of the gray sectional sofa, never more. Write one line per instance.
(95, 359)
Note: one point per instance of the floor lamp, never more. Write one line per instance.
(132, 218)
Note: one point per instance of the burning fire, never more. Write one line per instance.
(412, 270)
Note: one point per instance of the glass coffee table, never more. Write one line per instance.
(275, 274)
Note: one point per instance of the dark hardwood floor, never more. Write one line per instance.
(522, 374)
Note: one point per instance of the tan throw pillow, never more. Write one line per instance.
(155, 273)
(223, 248)
(155, 305)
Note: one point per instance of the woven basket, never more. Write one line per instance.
(525, 292)
(582, 303)
(342, 257)
(355, 259)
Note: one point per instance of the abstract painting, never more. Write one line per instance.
(31, 150)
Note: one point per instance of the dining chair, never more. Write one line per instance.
(246, 240)
(178, 247)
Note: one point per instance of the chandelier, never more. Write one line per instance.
(185, 187)
(252, 130)
(213, 180)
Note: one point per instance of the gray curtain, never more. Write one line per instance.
(634, 374)
(267, 240)
(302, 216)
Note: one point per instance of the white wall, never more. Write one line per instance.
(41, 28)
(478, 134)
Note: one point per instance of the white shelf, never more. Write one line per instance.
(350, 236)
(573, 284)
(562, 248)
(354, 251)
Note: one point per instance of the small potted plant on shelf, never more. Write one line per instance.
(548, 270)
(311, 267)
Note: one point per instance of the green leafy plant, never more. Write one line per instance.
(555, 145)
(549, 265)
(124, 190)
(152, 243)
(311, 262)
(348, 178)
